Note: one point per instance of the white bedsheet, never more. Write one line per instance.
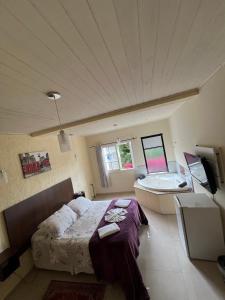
(71, 251)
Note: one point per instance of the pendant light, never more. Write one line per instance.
(63, 138)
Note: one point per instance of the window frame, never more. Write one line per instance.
(164, 151)
(118, 156)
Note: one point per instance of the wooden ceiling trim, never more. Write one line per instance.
(132, 108)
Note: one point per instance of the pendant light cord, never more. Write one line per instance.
(57, 111)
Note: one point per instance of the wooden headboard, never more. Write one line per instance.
(23, 218)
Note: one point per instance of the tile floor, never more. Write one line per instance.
(168, 273)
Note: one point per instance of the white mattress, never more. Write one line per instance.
(71, 251)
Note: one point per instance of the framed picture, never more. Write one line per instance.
(34, 163)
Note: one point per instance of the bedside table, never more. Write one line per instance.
(79, 194)
(9, 262)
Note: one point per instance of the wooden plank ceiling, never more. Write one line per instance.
(101, 55)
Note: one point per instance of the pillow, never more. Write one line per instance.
(80, 205)
(56, 224)
(67, 214)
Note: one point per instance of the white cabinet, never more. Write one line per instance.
(200, 226)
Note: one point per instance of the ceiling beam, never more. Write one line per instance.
(127, 109)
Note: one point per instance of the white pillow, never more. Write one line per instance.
(67, 214)
(56, 224)
(80, 205)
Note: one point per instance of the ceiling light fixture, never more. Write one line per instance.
(63, 138)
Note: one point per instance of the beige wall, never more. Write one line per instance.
(202, 121)
(74, 164)
(124, 180)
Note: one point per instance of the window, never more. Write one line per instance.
(125, 156)
(154, 153)
(110, 157)
(118, 157)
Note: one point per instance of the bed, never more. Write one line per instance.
(71, 251)
(79, 248)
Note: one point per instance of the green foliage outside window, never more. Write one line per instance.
(125, 156)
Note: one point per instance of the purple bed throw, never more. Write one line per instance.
(114, 257)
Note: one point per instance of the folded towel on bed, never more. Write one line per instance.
(122, 203)
(108, 230)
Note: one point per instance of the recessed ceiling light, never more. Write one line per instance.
(53, 95)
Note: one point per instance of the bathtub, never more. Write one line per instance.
(156, 192)
(164, 182)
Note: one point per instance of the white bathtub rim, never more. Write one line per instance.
(170, 189)
(170, 182)
(161, 192)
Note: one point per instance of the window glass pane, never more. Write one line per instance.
(112, 149)
(151, 142)
(114, 156)
(104, 152)
(155, 157)
(156, 161)
(118, 156)
(115, 165)
(125, 156)
(110, 157)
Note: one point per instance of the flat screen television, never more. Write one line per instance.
(200, 169)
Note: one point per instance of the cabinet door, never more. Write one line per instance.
(204, 231)
(181, 227)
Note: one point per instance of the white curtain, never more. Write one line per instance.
(104, 176)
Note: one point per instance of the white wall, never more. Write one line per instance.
(202, 121)
(124, 180)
